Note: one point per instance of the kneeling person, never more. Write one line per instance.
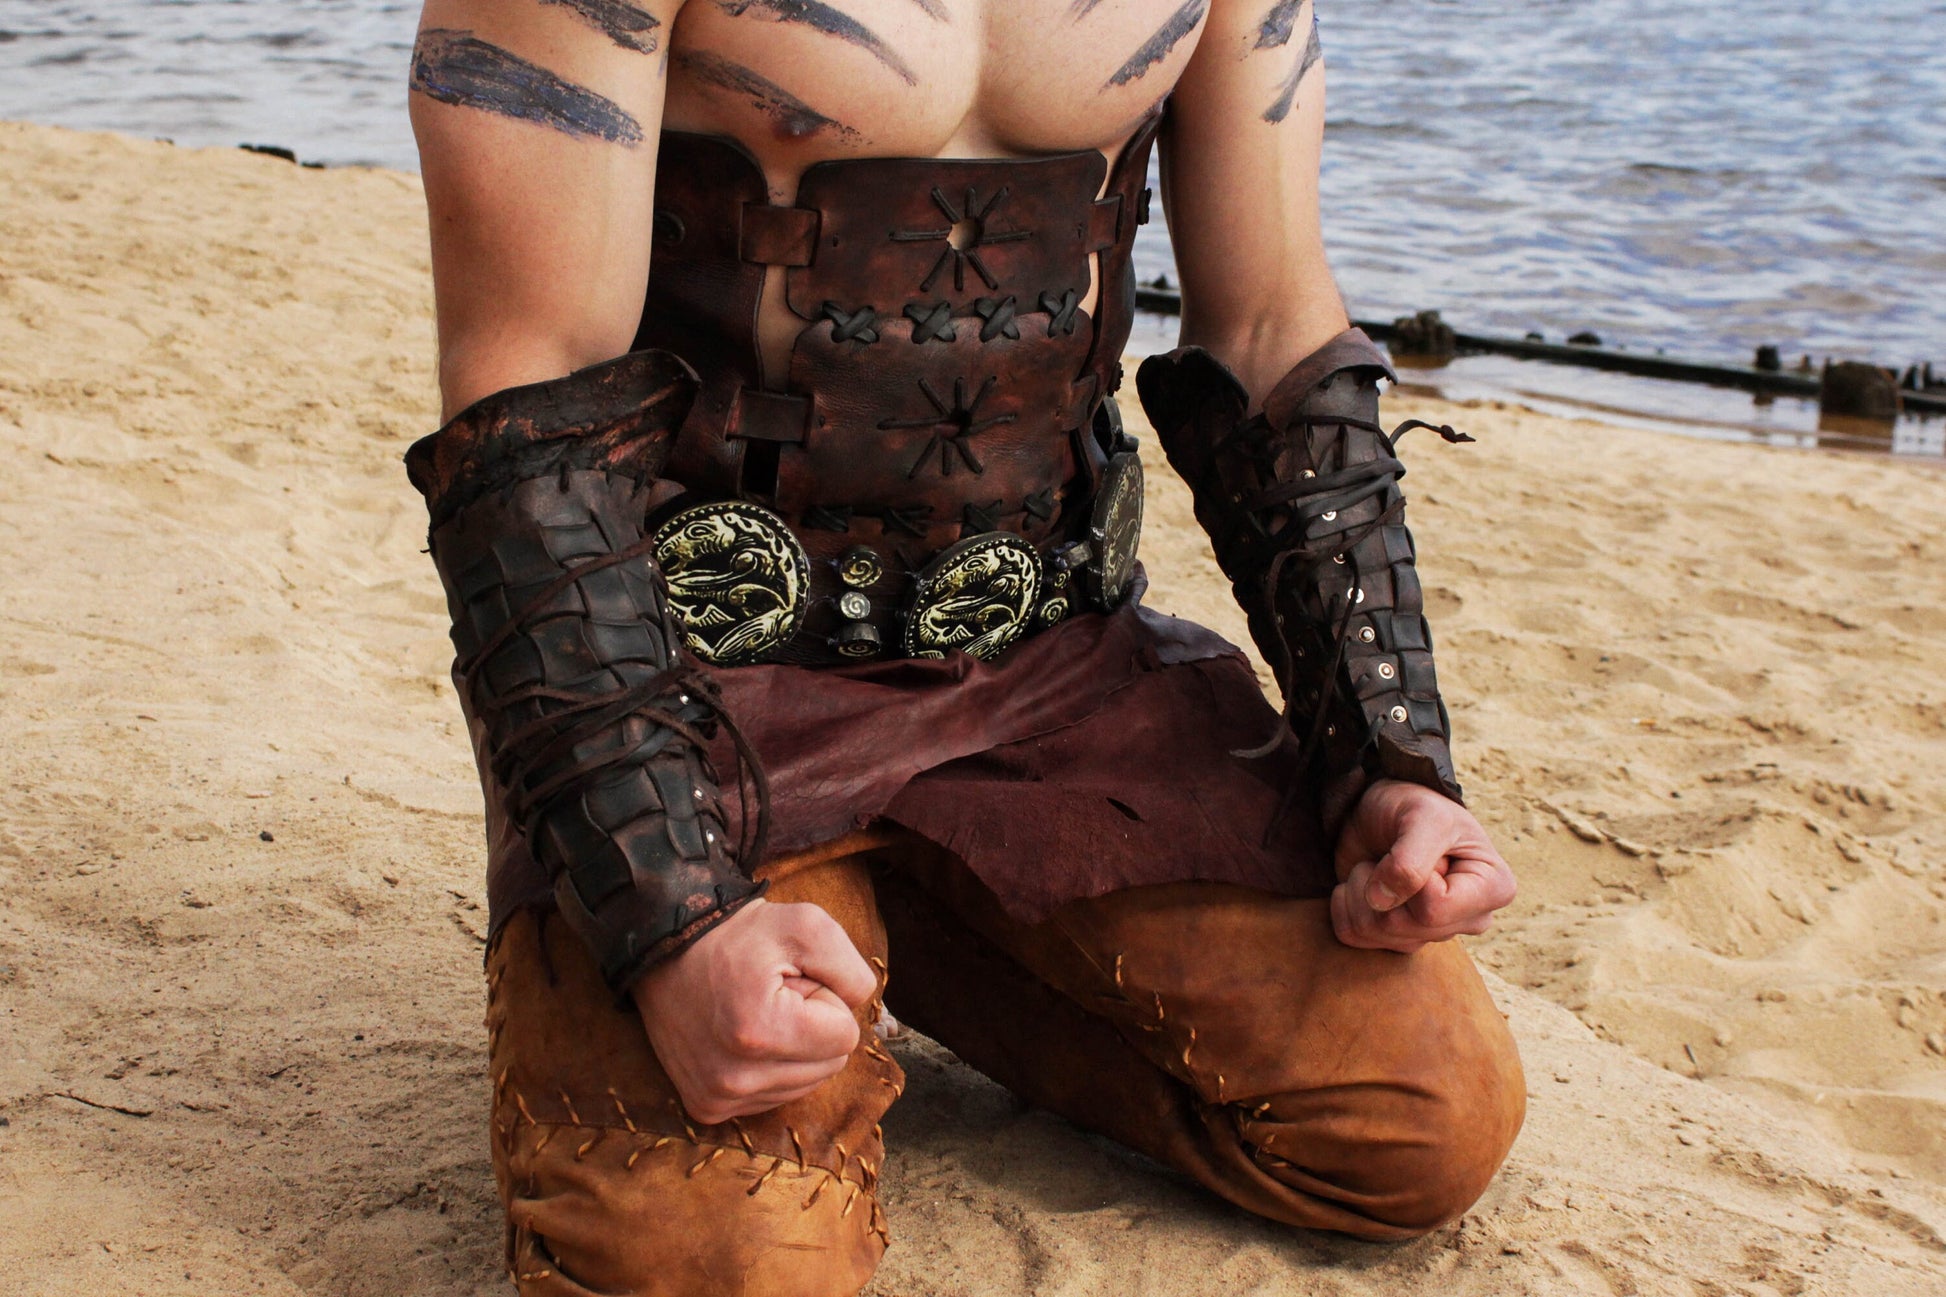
(799, 633)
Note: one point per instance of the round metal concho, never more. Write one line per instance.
(738, 580)
(1114, 531)
(977, 596)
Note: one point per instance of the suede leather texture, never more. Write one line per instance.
(1364, 1092)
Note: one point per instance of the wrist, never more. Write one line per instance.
(1260, 349)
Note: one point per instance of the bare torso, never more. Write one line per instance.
(798, 82)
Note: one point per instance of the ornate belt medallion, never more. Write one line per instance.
(737, 578)
(1114, 530)
(976, 596)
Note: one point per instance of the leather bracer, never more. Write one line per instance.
(589, 717)
(1303, 509)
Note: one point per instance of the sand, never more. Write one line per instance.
(1697, 689)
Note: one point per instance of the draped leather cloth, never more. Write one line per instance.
(1091, 758)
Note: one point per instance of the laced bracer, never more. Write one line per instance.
(589, 717)
(1302, 505)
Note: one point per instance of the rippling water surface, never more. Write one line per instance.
(1701, 177)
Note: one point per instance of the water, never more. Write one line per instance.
(1697, 178)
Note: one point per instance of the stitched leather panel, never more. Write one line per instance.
(886, 238)
(703, 296)
(941, 424)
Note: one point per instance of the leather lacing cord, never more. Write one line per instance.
(697, 695)
(1307, 499)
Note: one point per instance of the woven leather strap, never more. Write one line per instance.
(591, 719)
(1304, 511)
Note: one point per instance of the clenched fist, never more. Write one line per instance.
(760, 1011)
(1414, 867)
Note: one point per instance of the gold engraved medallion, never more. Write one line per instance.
(976, 596)
(738, 580)
(1114, 531)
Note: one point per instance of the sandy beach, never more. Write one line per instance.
(1697, 687)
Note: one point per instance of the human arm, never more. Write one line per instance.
(1239, 160)
(537, 135)
(537, 127)
(1270, 412)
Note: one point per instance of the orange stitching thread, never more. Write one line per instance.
(851, 1201)
(743, 1137)
(545, 1139)
(1119, 985)
(816, 1192)
(574, 1118)
(593, 1140)
(520, 1102)
(630, 1164)
(666, 1139)
(711, 1156)
(763, 1179)
(797, 1145)
(623, 1111)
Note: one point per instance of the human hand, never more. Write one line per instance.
(1414, 867)
(758, 1012)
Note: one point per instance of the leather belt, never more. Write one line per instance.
(743, 585)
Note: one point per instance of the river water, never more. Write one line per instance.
(1698, 178)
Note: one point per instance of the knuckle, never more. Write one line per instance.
(746, 1034)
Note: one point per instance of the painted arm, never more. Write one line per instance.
(1240, 186)
(537, 123)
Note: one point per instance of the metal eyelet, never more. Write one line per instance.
(1329, 515)
(1386, 671)
(1398, 714)
(1366, 634)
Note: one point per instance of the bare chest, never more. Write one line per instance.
(803, 81)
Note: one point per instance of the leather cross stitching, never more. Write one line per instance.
(935, 321)
(971, 225)
(847, 325)
(909, 519)
(1060, 311)
(828, 517)
(999, 317)
(978, 518)
(953, 427)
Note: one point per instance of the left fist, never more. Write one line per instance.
(1414, 867)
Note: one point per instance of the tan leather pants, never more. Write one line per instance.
(1223, 1031)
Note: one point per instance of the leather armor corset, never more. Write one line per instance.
(945, 382)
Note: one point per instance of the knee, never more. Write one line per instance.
(1445, 1162)
(1393, 1159)
(1444, 1144)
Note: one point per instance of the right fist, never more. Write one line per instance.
(758, 1012)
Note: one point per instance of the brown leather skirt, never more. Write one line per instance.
(1093, 757)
